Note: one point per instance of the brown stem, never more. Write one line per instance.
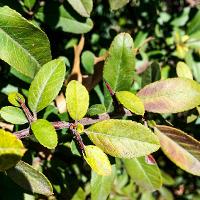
(85, 121)
(27, 112)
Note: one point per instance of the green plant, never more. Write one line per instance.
(119, 132)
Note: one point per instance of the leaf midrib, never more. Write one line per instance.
(21, 47)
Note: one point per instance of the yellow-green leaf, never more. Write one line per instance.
(119, 66)
(123, 138)
(97, 160)
(13, 115)
(11, 150)
(147, 176)
(131, 102)
(46, 84)
(183, 70)
(180, 148)
(171, 95)
(77, 99)
(45, 133)
(13, 98)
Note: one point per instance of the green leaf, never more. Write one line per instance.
(11, 150)
(101, 185)
(97, 160)
(151, 74)
(13, 98)
(183, 70)
(166, 194)
(45, 133)
(30, 179)
(77, 99)
(180, 148)
(71, 24)
(131, 102)
(46, 85)
(79, 195)
(13, 115)
(96, 109)
(123, 138)
(83, 7)
(87, 59)
(29, 3)
(117, 4)
(119, 65)
(171, 95)
(167, 179)
(194, 24)
(23, 45)
(147, 176)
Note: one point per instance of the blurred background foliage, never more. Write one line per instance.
(164, 33)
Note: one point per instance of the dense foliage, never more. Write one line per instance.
(99, 99)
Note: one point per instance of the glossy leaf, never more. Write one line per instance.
(46, 84)
(30, 179)
(117, 4)
(123, 138)
(101, 185)
(97, 160)
(83, 7)
(147, 176)
(13, 115)
(96, 109)
(180, 148)
(170, 96)
(183, 70)
(13, 98)
(45, 133)
(77, 99)
(131, 102)
(119, 65)
(23, 45)
(11, 150)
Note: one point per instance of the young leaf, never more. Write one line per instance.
(131, 102)
(46, 84)
(11, 150)
(180, 148)
(45, 133)
(117, 4)
(97, 160)
(101, 185)
(23, 45)
(96, 109)
(119, 65)
(77, 99)
(13, 98)
(183, 70)
(30, 179)
(148, 177)
(13, 115)
(170, 96)
(123, 138)
(83, 7)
